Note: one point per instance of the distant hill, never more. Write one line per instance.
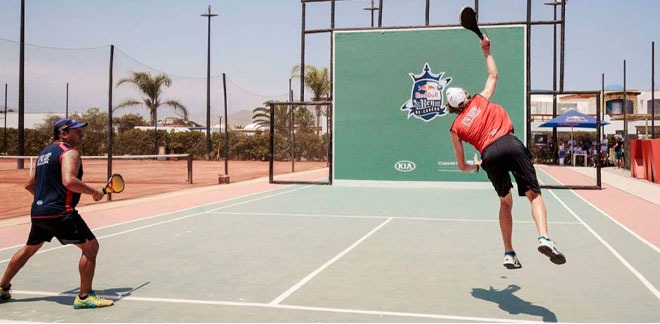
(240, 118)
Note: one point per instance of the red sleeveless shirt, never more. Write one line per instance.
(481, 123)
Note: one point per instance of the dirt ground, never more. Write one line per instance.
(142, 178)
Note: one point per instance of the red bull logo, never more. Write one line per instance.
(426, 100)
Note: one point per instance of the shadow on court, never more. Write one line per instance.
(511, 303)
(60, 299)
(66, 297)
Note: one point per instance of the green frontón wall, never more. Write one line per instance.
(374, 139)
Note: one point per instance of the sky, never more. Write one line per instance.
(257, 42)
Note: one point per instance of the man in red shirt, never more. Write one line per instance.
(487, 127)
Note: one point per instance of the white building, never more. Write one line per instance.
(31, 120)
(637, 103)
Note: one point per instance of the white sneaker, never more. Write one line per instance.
(511, 261)
(547, 247)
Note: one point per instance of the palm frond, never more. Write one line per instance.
(127, 103)
(178, 107)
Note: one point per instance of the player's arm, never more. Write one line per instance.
(70, 165)
(460, 155)
(491, 81)
(29, 185)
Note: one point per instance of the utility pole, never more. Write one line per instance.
(4, 141)
(21, 91)
(554, 5)
(372, 9)
(66, 114)
(209, 15)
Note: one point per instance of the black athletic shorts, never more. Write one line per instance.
(508, 154)
(68, 228)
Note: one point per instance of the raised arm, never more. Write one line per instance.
(491, 82)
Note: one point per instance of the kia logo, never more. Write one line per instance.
(405, 166)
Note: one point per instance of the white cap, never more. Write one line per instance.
(456, 96)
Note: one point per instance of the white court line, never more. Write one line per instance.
(289, 307)
(310, 276)
(632, 269)
(631, 232)
(163, 214)
(384, 217)
(173, 219)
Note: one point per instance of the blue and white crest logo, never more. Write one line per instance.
(426, 100)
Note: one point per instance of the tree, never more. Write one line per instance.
(128, 121)
(94, 140)
(317, 80)
(150, 88)
(96, 132)
(261, 116)
(303, 120)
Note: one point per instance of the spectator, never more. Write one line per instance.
(604, 143)
(562, 152)
(618, 152)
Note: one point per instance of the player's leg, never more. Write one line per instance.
(506, 221)
(73, 230)
(528, 184)
(545, 245)
(38, 235)
(87, 265)
(17, 261)
(494, 162)
(506, 228)
(539, 212)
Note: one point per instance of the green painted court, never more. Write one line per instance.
(346, 254)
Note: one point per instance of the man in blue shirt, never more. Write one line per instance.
(57, 185)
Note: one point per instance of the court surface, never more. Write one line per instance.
(254, 252)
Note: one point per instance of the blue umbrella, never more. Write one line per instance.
(573, 118)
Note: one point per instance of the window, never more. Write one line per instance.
(615, 107)
(656, 107)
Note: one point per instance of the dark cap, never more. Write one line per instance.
(64, 124)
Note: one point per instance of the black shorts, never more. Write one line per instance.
(508, 154)
(68, 228)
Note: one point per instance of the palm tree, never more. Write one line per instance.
(151, 88)
(303, 118)
(261, 116)
(317, 80)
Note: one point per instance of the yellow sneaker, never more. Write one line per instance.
(92, 301)
(5, 294)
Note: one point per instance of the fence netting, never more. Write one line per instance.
(69, 82)
(301, 140)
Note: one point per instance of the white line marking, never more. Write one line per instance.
(161, 215)
(384, 217)
(172, 220)
(290, 307)
(651, 245)
(632, 269)
(324, 266)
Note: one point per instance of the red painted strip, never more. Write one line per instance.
(637, 214)
(103, 214)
